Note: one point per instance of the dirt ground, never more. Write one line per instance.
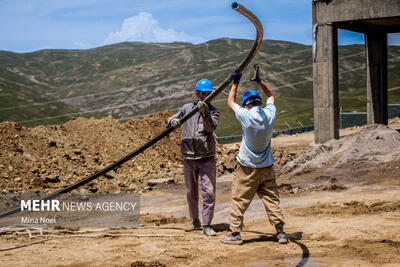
(341, 202)
(48, 158)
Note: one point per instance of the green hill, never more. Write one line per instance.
(131, 79)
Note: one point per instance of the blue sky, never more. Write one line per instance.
(30, 25)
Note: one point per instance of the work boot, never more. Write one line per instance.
(281, 236)
(232, 239)
(195, 225)
(209, 231)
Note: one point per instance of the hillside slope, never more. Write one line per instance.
(130, 79)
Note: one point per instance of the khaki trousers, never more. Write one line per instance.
(246, 183)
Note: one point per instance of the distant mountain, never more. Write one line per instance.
(130, 79)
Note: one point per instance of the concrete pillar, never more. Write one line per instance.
(326, 92)
(377, 87)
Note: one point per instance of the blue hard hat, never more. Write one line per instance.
(204, 85)
(250, 95)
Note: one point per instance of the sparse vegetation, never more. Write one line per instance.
(52, 86)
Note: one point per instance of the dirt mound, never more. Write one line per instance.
(46, 158)
(58, 155)
(362, 151)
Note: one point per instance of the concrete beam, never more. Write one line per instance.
(325, 86)
(370, 26)
(352, 10)
(377, 86)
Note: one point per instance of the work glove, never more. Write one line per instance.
(174, 122)
(256, 75)
(203, 107)
(236, 76)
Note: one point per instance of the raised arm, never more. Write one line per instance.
(268, 91)
(264, 86)
(232, 97)
(232, 94)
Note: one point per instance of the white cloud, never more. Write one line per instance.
(144, 28)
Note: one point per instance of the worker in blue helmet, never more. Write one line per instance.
(254, 173)
(251, 98)
(198, 154)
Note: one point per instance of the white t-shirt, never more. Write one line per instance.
(257, 124)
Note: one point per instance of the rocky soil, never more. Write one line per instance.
(46, 158)
(341, 199)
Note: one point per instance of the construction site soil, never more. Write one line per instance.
(46, 158)
(341, 199)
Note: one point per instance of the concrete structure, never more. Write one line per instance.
(373, 18)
